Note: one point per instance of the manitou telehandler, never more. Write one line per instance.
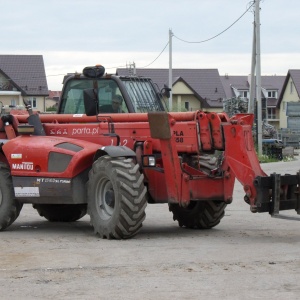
(110, 165)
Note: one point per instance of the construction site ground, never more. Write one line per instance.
(247, 256)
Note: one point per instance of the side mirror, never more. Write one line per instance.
(165, 91)
(90, 99)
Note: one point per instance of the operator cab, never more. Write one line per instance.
(94, 92)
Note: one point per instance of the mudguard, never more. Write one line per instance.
(115, 151)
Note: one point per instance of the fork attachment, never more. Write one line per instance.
(278, 192)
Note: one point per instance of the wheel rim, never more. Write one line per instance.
(105, 198)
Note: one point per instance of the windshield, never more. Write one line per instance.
(108, 92)
(143, 95)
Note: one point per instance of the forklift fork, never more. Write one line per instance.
(284, 195)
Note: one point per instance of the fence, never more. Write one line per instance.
(289, 137)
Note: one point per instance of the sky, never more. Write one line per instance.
(73, 34)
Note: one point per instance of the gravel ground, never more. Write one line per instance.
(247, 256)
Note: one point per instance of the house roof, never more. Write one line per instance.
(238, 82)
(295, 75)
(205, 83)
(274, 83)
(55, 95)
(27, 73)
(242, 83)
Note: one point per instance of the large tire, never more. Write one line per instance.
(116, 198)
(61, 212)
(9, 207)
(199, 214)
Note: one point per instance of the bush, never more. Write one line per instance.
(51, 108)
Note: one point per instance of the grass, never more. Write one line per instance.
(289, 158)
(267, 159)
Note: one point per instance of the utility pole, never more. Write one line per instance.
(170, 70)
(252, 78)
(256, 81)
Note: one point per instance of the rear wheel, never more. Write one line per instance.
(199, 214)
(9, 207)
(116, 197)
(61, 212)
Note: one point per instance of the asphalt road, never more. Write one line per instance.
(247, 256)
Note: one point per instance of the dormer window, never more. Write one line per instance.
(272, 94)
(244, 94)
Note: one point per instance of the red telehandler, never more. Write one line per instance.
(110, 165)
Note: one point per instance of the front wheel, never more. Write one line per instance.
(199, 214)
(9, 207)
(116, 197)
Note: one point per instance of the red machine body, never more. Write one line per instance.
(171, 180)
(110, 165)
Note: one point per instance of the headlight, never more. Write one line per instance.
(149, 161)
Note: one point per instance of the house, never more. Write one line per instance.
(205, 89)
(52, 99)
(192, 89)
(289, 101)
(23, 76)
(271, 86)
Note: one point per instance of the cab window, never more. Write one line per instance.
(72, 98)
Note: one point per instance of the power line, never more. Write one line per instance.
(251, 4)
(148, 64)
(218, 33)
(55, 75)
(115, 67)
(157, 56)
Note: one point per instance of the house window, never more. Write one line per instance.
(291, 87)
(272, 94)
(13, 102)
(187, 105)
(244, 94)
(33, 102)
(271, 113)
